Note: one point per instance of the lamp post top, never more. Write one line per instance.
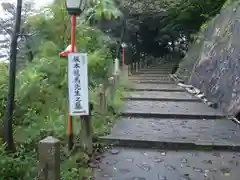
(75, 7)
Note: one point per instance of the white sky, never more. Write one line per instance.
(39, 3)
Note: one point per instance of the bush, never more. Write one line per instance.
(41, 105)
(41, 91)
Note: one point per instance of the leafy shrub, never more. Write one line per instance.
(41, 89)
(16, 166)
(41, 102)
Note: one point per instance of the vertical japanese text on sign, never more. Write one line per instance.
(78, 84)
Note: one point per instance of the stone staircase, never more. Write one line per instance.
(165, 133)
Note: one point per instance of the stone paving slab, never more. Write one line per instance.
(157, 87)
(223, 133)
(169, 109)
(151, 75)
(160, 65)
(151, 78)
(158, 95)
(151, 81)
(156, 70)
(142, 164)
(152, 72)
(165, 70)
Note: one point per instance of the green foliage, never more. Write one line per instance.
(99, 65)
(3, 85)
(41, 88)
(103, 9)
(208, 28)
(160, 23)
(13, 166)
(188, 16)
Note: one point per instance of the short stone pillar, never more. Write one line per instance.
(111, 82)
(102, 99)
(116, 65)
(146, 62)
(116, 78)
(133, 68)
(138, 66)
(49, 159)
(129, 69)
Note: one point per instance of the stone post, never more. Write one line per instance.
(102, 99)
(138, 65)
(86, 132)
(111, 83)
(49, 159)
(132, 67)
(125, 70)
(145, 63)
(135, 67)
(148, 61)
(129, 69)
(116, 79)
(116, 67)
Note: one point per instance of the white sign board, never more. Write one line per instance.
(78, 84)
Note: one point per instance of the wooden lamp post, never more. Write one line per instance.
(74, 8)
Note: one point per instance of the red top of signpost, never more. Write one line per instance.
(67, 51)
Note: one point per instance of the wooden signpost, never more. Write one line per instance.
(78, 96)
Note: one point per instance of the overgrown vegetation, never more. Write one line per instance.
(41, 88)
(153, 27)
(167, 25)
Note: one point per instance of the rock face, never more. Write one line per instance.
(213, 62)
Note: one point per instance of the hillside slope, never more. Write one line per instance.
(213, 62)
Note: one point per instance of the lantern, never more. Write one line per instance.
(75, 7)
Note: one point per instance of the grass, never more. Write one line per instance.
(75, 167)
(23, 163)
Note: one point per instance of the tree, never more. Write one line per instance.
(6, 26)
(165, 22)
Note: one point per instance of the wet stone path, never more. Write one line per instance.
(142, 164)
(160, 95)
(164, 133)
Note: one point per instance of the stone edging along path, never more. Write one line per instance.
(179, 113)
(169, 138)
(197, 93)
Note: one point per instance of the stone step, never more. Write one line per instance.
(156, 87)
(144, 164)
(150, 78)
(151, 75)
(161, 66)
(148, 81)
(160, 96)
(140, 73)
(152, 72)
(175, 134)
(157, 69)
(170, 109)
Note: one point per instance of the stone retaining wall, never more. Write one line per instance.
(213, 62)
